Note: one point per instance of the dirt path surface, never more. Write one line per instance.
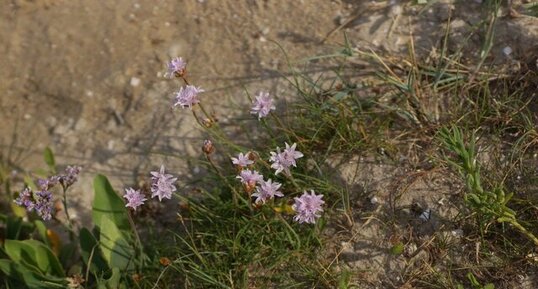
(86, 77)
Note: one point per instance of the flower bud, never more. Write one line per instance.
(208, 147)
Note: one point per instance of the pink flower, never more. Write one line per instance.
(262, 105)
(162, 184)
(176, 67)
(242, 160)
(250, 179)
(282, 161)
(187, 96)
(308, 207)
(267, 190)
(134, 198)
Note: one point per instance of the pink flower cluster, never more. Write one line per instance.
(282, 161)
(308, 207)
(263, 105)
(162, 187)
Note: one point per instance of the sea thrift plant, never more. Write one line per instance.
(208, 147)
(162, 184)
(176, 68)
(267, 190)
(308, 207)
(250, 179)
(242, 160)
(134, 198)
(262, 105)
(282, 161)
(187, 96)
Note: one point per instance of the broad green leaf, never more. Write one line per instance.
(42, 230)
(29, 278)
(34, 254)
(67, 254)
(107, 203)
(48, 155)
(116, 249)
(17, 210)
(113, 282)
(91, 253)
(14, 225)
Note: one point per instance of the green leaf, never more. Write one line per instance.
(340, 95)
(29, 278)
(107, 203)
(489, 286)
(472, 279)
(397, 249)
(14, 225)
(34, 255)
(116, 249)
(42, 230)
(114, 280)
(48, 155)
(91, 253)
(17, 210)
(343, 279)
(67, 254)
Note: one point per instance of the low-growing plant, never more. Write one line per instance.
(488, 204)
(33, 256)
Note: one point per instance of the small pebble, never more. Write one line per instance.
(426, 215)
(507, 51)
(135, 81)
(457, 233)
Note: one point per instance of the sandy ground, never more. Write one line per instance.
(86, 77)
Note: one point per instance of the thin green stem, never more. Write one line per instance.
(133, 227)
(235, 194)
(523, 230)
(69, 221)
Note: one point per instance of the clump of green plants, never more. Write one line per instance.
(33, 253)
(488, 204)
(264, 212)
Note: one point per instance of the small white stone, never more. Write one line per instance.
(507, 51)
(374, 200)
(135, 81)
(457, 233)
(426, 215)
